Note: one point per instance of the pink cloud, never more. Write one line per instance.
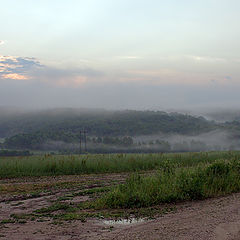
(72, 81)
(14, 76)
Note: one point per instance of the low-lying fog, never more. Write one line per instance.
(214, 140)
(212, 114)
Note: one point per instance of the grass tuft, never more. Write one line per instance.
(216, 179)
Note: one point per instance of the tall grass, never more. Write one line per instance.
(104, 163)
(215, 179)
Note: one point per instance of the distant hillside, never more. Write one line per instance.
(223, 115)
(101, 123)
(30, 130)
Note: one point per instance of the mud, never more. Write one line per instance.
(215, 219)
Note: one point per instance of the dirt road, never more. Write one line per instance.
(216, 219)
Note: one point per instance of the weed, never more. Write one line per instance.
(5, 221)
(53, 208)
(105, 163)
(215, 179)
(19, 216)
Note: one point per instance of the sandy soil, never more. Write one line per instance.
(217, 219)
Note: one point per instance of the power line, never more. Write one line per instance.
(80, 142)
(83, 140)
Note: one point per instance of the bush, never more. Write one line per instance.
(216, 179)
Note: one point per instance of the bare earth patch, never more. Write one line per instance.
(215, 219)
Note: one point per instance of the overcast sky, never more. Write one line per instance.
(119, 54)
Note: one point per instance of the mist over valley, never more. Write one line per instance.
(108, 131)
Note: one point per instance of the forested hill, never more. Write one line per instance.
(58, 122)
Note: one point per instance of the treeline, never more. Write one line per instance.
(126, 141)
(33, 130)
(102, 123)
(12, 153)
(66, 142)
(107, 131)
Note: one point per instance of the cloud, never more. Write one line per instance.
(19, 68)
(1, 42)
(117, 95)
(74, 77)
(228, 78)
(129, 57)
(14, 68)
(14, 76)
(206, 59)
(34, 84)
(167, 76)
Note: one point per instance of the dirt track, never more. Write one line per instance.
(217, 218)
(209, 219)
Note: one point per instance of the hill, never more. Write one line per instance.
(32, 130)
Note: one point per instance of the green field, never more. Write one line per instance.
(168, 178)
(52, 165)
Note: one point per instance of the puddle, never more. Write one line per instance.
(124, 221)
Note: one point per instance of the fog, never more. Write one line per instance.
(218, 114)
(219, 139)
(25, 83)
(150, 56)
(210, 141)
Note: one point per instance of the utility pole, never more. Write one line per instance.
(80, 142)
(85, 139)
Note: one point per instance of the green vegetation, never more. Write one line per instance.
(100, 123)
(53, 208)
(59, 129)
(154, 182)
(193, 177)
(11, 153)
(4, 221)
(173, 184)
(92, 191)
(84, 210)
(103, 163)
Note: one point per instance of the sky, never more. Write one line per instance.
(120, 54)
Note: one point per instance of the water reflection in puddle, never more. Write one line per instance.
(124, 221)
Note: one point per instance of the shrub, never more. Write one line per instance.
(216, 179)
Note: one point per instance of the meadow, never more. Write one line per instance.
(176, 184)
(53, 165)
(152, 178)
